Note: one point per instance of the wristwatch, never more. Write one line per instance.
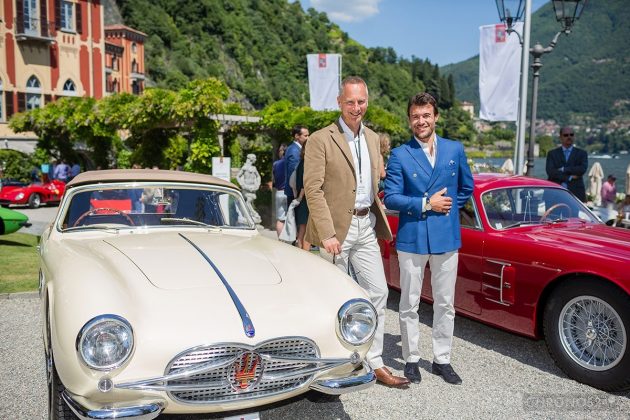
(427, 206)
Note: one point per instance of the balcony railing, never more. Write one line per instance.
(136, 76)
(28, 29)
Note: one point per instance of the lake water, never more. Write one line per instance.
(615, 166)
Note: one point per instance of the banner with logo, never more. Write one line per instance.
(499, 72)
(324, 77)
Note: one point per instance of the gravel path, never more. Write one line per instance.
(505, 376)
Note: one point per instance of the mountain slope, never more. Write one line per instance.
(587, 73)
(259, 48)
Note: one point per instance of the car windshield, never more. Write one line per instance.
(513, 207)
(154, 205)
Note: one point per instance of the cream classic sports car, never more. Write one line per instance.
(160, 296)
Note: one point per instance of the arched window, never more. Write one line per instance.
(134, 47)
(134, 66)
(115, 86)
(69, 88)
(33, 93)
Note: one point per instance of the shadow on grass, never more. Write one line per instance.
(13, 243)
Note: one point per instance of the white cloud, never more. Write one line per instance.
(347, 11)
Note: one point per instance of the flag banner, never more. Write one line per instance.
(499, 72)
(323, 80)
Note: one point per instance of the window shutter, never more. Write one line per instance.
(8, 100)
(19, 13)
(43, 17)
(79, 17)
(21, 101)
(57, 14)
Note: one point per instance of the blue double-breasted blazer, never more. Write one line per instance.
(410, 178)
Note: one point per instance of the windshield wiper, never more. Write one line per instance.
(521, 223)
(559, 220)
(187, 221)
(105, 228)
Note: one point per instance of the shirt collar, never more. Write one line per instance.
(298, 143)
(347, 131)
(425, 145)
(567, 148)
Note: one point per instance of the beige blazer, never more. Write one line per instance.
(330, 185)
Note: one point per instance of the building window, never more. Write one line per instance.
(30, 16)
(115, 63)
(134, 66)
(134, 47)
(115, 86)
(66, 16)
(69, 88)
(33, 93)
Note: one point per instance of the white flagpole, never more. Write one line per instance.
(519, 152)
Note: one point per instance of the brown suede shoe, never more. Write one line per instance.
(385, 377)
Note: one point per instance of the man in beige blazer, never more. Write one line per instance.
(341, 174)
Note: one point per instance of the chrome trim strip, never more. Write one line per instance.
(487, 286)
(181, 374)
(357, 382)
(248, 325)
(146, 411)
(159, 384)
(491, 274)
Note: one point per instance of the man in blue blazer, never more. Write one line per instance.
(292, 157)
(428, 181)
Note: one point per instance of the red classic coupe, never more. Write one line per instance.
(535, 261)
(32, 195)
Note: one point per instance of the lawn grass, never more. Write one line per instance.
(19, 263)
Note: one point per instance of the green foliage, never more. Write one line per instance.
(545, 144)
(16, 165)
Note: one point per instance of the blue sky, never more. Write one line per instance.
(444, 31)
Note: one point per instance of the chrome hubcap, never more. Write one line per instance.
(592, 333)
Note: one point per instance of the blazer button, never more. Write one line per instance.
(426, 194)
(415, 175)
(350, 211)
(409, 213)
(453, 174)
(424, 216)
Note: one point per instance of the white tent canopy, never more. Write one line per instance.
(508, 166)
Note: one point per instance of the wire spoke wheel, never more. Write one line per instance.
(592, 333)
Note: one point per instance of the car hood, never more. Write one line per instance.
(591, 238)
(171, 262)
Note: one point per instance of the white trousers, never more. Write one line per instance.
(443, 277)
(361, 249)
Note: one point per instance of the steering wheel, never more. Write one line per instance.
(555, 206)
(101, 210)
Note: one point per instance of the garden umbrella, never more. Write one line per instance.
(595, 175)
(628, 180)
(508, 166)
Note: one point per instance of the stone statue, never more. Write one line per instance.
(249, 180)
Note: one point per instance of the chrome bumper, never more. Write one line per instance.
(147, 411)
(359, 380)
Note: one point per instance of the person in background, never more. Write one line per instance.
(609, 192)
(301, 211)
(567, 164)
(428, 181)
(61, 171)
(292, 157)
(341, 176)
(623, 212)
(278, 180)
(75, 169)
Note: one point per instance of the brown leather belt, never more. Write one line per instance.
(361, 212)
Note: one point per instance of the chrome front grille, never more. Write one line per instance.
(271, 375)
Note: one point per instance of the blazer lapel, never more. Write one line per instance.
(336, 133)
(416, 152)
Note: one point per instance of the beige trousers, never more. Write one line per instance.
(443, 277)
(361, 249)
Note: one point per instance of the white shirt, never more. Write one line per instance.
(362, 170)
(426, 148)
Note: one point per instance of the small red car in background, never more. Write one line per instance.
(535, 261)
(32, 195)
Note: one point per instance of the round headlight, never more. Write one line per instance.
(19, 196)
(357, 321)
(105, 342)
